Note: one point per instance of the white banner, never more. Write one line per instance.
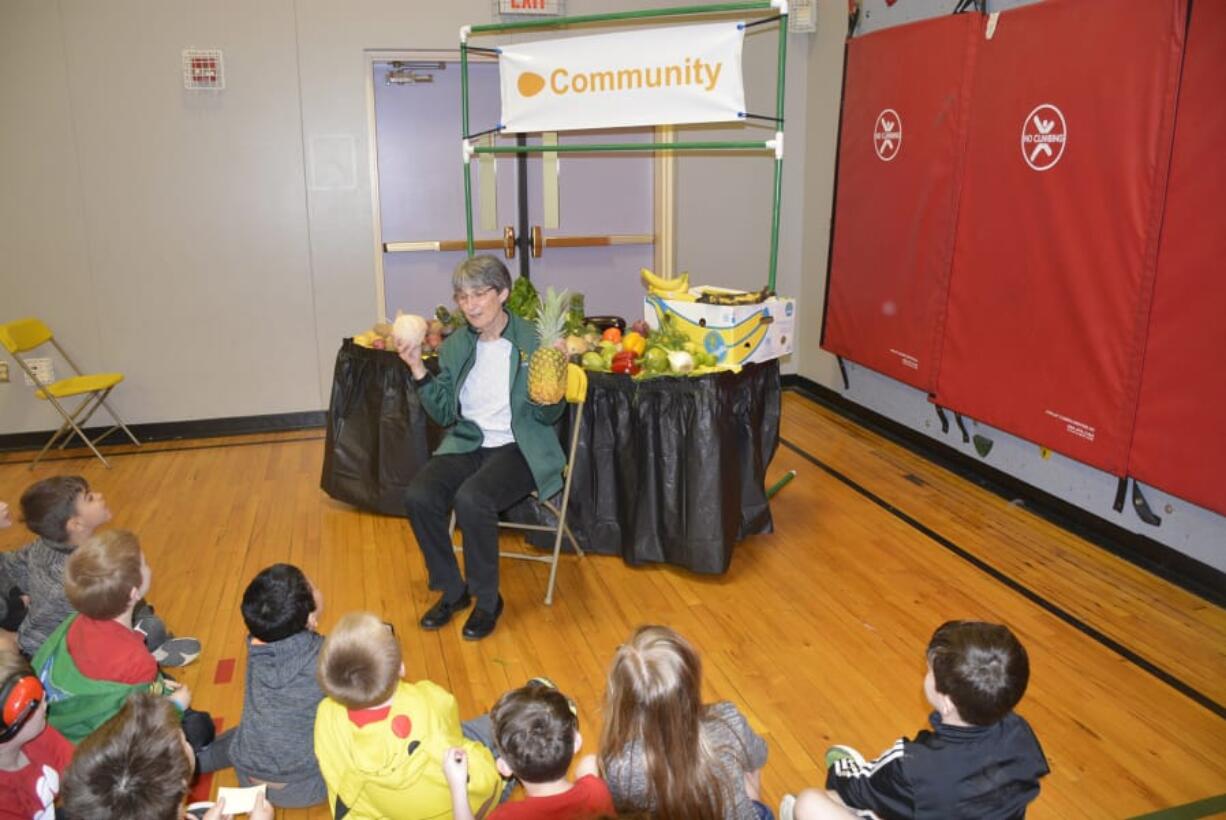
(661, 76)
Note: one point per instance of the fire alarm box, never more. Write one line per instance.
(202, 70)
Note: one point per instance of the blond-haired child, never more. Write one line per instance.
(381, 740)
(94, 660)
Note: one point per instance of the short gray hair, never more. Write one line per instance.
(481, 272)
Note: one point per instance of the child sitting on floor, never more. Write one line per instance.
(12, 600)
(536, 731)
(981, 760)
(95, 659)
(663, 750)
(274, 742)
(63, 512)
(137, 765)
(381, 740)
(33, 755)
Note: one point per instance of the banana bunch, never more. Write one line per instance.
(576, 384)
(677, 288)
(716, 296)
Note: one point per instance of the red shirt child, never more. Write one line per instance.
(536, 731)
(32, 754)
(31, 790)
(587, 798)
(109, 650)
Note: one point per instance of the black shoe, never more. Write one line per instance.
(481, 623)
(437, 616)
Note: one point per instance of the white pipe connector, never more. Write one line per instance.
(467, 147)
(777, 144)
(782, 5)
(465, 31)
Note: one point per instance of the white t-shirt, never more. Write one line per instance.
(485, 398)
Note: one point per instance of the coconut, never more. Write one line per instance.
(409, 330)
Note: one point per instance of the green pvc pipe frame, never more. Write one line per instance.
(715, 145)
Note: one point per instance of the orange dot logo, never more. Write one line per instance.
(530, 84)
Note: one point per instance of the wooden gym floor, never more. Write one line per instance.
(817, 632)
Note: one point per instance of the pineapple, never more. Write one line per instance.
(547, 367)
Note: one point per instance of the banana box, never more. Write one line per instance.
(735, 334)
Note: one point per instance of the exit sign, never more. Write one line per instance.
(538, 7)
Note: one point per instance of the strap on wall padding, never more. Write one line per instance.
(1142, 506)
(966, 438)
(1121, 492)
(944, 419)
(843, 370)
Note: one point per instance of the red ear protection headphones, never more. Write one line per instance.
(19, 699)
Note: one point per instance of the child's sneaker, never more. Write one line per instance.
(177, 652)
(837, 755)
(152, 628)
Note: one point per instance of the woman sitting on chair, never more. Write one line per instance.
(499, 448)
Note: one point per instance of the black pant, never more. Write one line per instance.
(479, 485)
(199, 729)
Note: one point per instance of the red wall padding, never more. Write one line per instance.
(1180, 438)
(1053, 269)
(895, 203)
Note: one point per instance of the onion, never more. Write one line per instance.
(408, 330)
(680, 362)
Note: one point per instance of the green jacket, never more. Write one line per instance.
(77, 705)
(531, 424)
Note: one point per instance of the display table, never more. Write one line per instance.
(378, 433)
(668, 470)
(673, 469)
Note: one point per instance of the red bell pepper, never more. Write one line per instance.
(625, 362)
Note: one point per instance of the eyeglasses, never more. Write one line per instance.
(463, 297)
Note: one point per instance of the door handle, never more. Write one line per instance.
(506, 244)
(539, 241)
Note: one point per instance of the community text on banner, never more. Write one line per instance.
(664, 76)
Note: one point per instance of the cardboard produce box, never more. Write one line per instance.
(736, 334)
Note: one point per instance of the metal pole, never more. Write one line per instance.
(779, 97)
(468, 174)
(619, 146)
(524, 241)
(675, 11)
(780, 484)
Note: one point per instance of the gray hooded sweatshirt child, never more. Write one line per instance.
(275, 741)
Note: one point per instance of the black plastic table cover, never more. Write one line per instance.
(378, 434)
(668, 470)
(673, 469)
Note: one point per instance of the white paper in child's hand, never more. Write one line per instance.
(240, 801)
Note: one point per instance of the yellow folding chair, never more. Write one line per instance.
(27, 334)
(576, 395)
